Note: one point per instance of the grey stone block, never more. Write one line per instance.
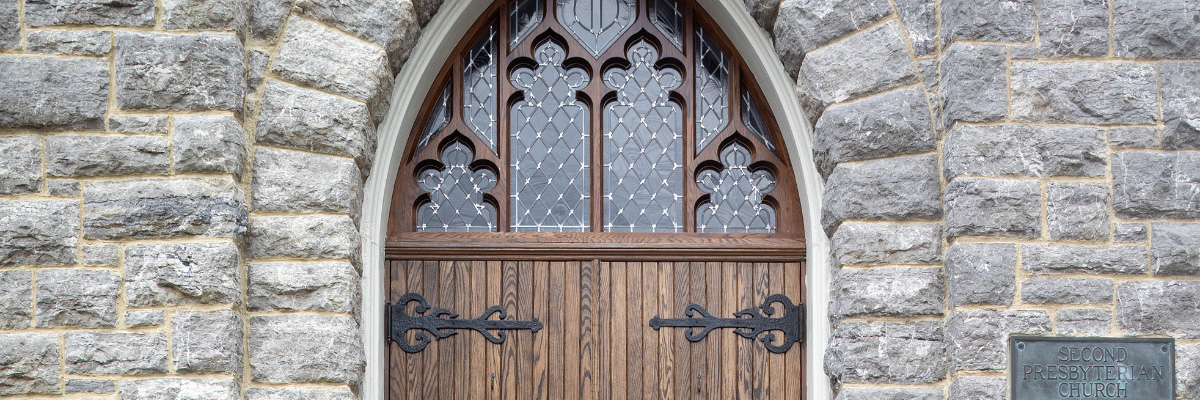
(63, 301)
(1026, 150)
(180, 389)
(283, 181)
(974, 83)
(763, 12)
(978, 388)
(981, 273)
(1156, 29)
(893, 189)
(919, 18)
(306, 119)
(1023, 51)
(993, 207)
(16, 299)
(209, 144)
(328, 286)
(30, 363)
(90, 386)
(21, 166)
(1131, 232)
(1084, 92)
(90, 12)
(63, 188)
(59, 93)
(298, 393)
(138, 123)
(75, 156)
(1181, 103)
(314, 237)
(804, 25)
(140, 318)
(874, 352)
(38, 232)
(95, 353)
(1120, 259)
(1175, 248)
(1155, 308)
(1078, 211)
(393, 25)
(180, 72)
(306, 348)
(1149, 184)
(1073, 28)
(977, 339)
(870, 243)
(857, 393)
(887, 292)
(1084, 321)
(256, 68)
(988, 21)
(266, 17)
(1133, 137)
(207, 342)
(163, 208)
(313, 55)
(879, 126)
(230, 15)
(426, 9)
(182, 273)
(868, 62)
(10, 25)
(1187, 371)
(101, 255)
(1067, 291)
(84, 43)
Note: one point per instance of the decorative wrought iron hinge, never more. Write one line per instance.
(791, 323)
(442, 323)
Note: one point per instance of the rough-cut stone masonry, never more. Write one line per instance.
(993, 167)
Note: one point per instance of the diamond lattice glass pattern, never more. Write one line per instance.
(712, 89)
(479, 88)
(736, 196)
(456, 194)
(438, 118)
(753, 119)
(549, 158)
(524, 15)
(643, 156)
(666, 16)
(596, 23)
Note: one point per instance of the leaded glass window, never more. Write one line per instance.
(615, 116)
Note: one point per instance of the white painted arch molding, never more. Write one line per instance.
(414, 81)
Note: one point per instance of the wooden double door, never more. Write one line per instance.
(595, 341)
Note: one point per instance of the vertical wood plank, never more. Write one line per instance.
(462, 345)
(649, 306)
(495, 295)
(604, 315)
(633, 325)
(479, 373)
(699, 353)
(588, 360)
(511, 347)
(712, 277)
(555, 326)
(525, 343)
(776, 361)
(397, 285)
(413, 384)
(745, 361)
(447, 357)
(729, 349)
(666, 338)
(620, 354)
(571, 326)
(794, 362)
(541, 311)
(430, 371)
(683, 354)
(762, 376)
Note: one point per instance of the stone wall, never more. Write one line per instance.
(181, 184)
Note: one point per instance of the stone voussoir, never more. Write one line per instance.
(865, 63)
(889, 189)
(889, 124)
(314, 55)
(804, 25)
(392, 25)
(307, 119)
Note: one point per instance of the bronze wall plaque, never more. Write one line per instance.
(1091, 368)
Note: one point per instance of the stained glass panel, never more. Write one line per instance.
(438, 119)
(666, 16)
(643, 155)
(549, 158)
(523, 16)
(736, 196)
(479, 88)
(596, 23)
(712, 89)
(456, 194)
(753, 119)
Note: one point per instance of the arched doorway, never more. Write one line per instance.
(590, 253)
